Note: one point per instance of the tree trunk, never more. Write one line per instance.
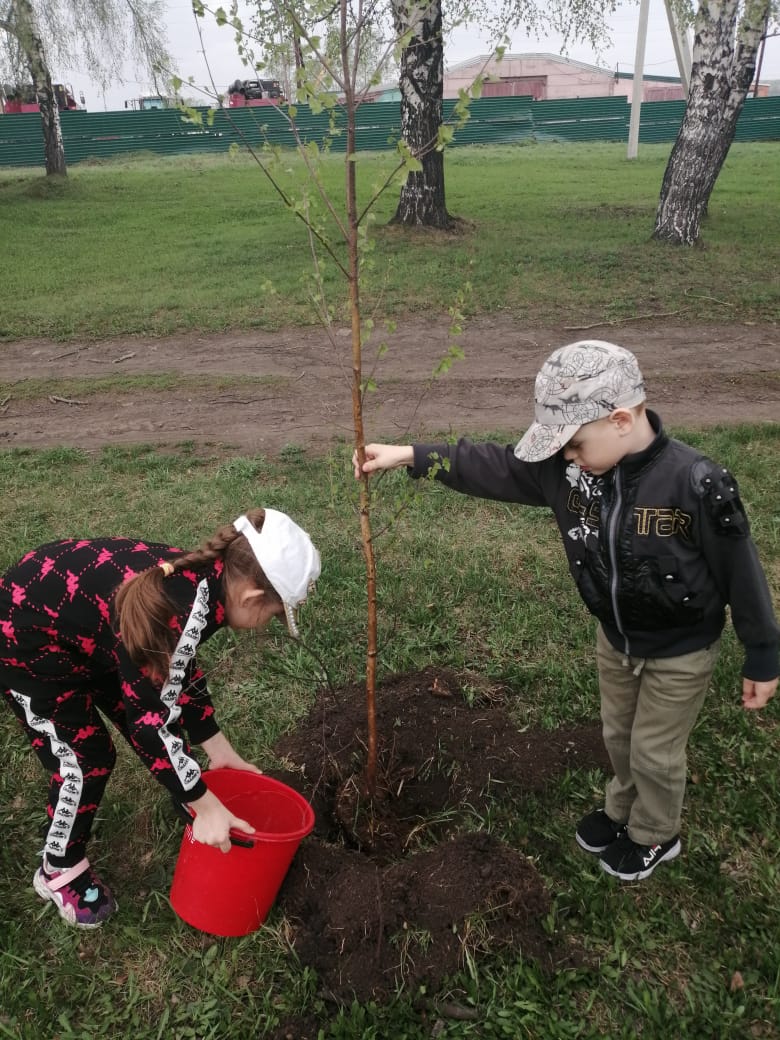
(723, 63)
(32, 45)
(422, 201)
(53, 145)
(358, 391)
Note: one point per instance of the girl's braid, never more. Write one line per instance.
(212, 549)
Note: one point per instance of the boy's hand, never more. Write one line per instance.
(757, 694)
(383, 456)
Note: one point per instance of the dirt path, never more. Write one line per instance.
(695, 376)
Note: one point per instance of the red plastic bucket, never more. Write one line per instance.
(230, 893)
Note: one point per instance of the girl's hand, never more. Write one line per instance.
(383, 456)
(213, 822)
(222, 755)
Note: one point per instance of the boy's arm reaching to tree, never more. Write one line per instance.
(384, 456)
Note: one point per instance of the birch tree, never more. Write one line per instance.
(97, 35)
(419, 26)
(422, 31)
(726, 37)
(21, 27)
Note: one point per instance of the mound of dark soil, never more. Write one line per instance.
(399, 890)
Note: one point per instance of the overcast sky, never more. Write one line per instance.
(226, 66)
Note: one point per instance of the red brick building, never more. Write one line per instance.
(547, 77)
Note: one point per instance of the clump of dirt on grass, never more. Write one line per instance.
(397, 890)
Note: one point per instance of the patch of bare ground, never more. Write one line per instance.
(696, 375)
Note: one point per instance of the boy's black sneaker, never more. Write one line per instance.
(596, 831)
(628, 861)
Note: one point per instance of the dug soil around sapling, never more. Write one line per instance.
(401, 890)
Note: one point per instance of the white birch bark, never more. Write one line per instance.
(727, 34)
(422, 200)
(22, 20)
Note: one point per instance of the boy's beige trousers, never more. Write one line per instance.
(648, 709)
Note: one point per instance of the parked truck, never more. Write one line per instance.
(151, 103)
(253, 92)
(16, 99)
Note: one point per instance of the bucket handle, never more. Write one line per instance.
(244, 842)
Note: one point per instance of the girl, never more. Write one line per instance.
(110, 627)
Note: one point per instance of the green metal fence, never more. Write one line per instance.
(96, 135)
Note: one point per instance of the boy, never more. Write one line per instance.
(658, 543)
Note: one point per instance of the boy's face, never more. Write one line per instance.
(597, 446)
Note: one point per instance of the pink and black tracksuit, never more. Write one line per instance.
(64, 670)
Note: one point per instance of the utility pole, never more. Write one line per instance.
(636, 93)
(682, 48)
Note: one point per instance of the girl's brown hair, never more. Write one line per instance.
(143, 610)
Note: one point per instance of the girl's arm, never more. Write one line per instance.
(222, 755)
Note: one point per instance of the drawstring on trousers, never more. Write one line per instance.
(637, 670)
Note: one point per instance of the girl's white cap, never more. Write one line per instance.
(287, 556)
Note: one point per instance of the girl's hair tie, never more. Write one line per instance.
(166, 568)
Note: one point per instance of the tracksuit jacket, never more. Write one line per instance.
(57, 642)
(657, 547)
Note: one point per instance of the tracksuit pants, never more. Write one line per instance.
(69, 735)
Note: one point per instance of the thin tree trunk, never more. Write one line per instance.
(353, 224)
(32, 45)
(422, 201)
(723, 63)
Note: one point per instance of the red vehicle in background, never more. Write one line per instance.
(16, 99)
(255, 92)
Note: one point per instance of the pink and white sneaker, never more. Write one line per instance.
(78, 893)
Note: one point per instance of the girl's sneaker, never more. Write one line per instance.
(78, 893)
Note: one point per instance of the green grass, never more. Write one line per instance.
(161, 382)
(552, 233)
(659, 956)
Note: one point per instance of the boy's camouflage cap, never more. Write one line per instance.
(578, 384)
